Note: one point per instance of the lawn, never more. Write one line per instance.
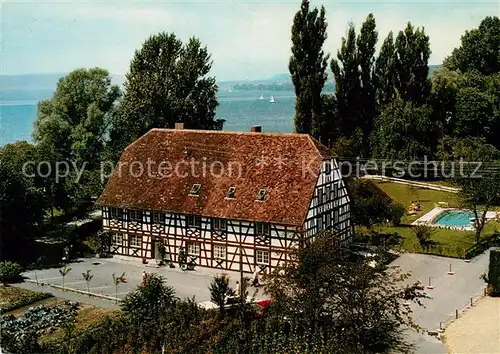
(449, 242)
(428, 198)
(12, 298)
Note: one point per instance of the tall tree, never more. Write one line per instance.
(480, 189)
(385, 73)
(21, 204)
(167, 83)
(366, 41)
(411, 64)
(479, 50)
(307, 67)
(72, 128)
(405, 131)
(348, 87)
(74, 122)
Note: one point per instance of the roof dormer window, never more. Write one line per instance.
(261, 195)
(230, 192)
(195, 189)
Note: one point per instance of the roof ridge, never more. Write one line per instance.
(225, 132)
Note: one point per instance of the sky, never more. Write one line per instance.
(247, 39)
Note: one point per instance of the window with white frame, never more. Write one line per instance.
(262, 229)
(193, 248)
(135, 241)
(116, 239)
(219, 252)
(135, 215)
(194, 221)
(115, 213)
(158, 218)
(219, 224)
(262, 257)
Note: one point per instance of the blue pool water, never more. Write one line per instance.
(454, 218)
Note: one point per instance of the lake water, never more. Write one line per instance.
(240, 109)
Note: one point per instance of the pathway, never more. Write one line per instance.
(414, 183)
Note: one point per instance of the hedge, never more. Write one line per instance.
(494, 273)
(483, 245)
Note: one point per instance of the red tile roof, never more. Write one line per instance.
(285, 165)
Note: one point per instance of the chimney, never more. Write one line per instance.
(179, 125)
(256, 129)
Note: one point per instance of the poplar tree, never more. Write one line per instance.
(307, 67)
(347, 85)
(411, 64)
(385, 75)
(366, 41)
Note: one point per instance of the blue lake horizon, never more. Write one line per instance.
(240, 109)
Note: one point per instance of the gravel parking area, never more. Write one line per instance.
(477, 331)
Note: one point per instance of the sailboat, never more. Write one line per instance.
(261, 97)
(271, 100)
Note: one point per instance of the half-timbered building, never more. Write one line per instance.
(231, 200)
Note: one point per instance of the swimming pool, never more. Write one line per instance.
(454, 218)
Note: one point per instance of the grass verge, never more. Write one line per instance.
(12, 298)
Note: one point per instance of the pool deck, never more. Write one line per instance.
(431, 215)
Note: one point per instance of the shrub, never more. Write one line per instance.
(396, 213)
(494, 273)
(10, 272)
(99, 243)
(424, 233)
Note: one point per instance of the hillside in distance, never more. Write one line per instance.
(283, 82)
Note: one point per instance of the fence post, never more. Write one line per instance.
(456, 313)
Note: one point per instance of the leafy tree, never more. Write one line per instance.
(80, 110)
(360, 309)
(117, 280)
(220, 290)
(370, 205)
(480, 180)
(479, 50)
(348, 87)
(366, 41)
(412, 51)
(467, 149)
(167, 83)
(64, 271)
(308, 68)
(445, 86)
(385, 72)
(404, 131)
(151, 301)
(480, 193)
(424, 234)
(476, 116)
(72, 128)
(88, 277)
(21, 210)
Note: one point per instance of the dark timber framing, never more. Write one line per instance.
(329, 210)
